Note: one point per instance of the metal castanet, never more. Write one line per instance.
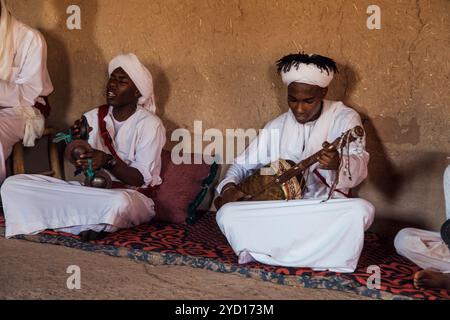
(94, 179)
(101, 179)
(286, 181)
(75, 149)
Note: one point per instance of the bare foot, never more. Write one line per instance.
(432, 280)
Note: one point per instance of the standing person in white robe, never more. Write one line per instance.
(309, 232)
(33, 203)
(428, 250)
(24, 82)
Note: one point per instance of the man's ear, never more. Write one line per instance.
(324, 92)
(137, 94)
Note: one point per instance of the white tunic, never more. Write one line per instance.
(292, 137)
(29, 81)
(138, 143)
(300, 233)
(426, 248)
(33, 203)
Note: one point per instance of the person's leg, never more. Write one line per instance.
(12, 128)
(298, 233)
(424, 248)
(428, 250)
(33, 203)
(447, 191)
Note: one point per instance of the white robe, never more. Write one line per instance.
(300, 233)
(426, 248)
(29, 81)
(33, 203)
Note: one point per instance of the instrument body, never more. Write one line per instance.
(288, 190)
(286, 181)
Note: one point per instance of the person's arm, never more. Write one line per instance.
(128, 175)
(29, 83)
(148, 153)
(254, 157)
(357, 159)
(138, 172)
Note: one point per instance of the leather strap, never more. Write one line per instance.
(107, 140)
(149, 192)
(324, 181)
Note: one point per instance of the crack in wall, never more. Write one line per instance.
(241, 10)
(412, 49)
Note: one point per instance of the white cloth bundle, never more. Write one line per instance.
(34, 124)
(140, 75)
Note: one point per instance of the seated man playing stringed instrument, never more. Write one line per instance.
(126, 139)
(309, 230)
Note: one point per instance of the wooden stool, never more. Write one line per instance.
(55, 166)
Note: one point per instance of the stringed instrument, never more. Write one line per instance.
(283, 179)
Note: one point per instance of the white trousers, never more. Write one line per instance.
(12, 128)
(298, 233)
(426, 248)
(33, 203)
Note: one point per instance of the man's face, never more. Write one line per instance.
(121, 90)
(305, 101)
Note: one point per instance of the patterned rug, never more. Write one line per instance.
(203, 246)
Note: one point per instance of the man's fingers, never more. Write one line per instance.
(323, 163)
(327, 157)
(331, 153)
(87, 155)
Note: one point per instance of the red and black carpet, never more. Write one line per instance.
(203, 246)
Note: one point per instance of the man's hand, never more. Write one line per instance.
(99, 159)
(75, 129)
(230, 194)
(329, 159)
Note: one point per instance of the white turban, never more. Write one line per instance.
(140, 75)
(309, 74)
(6, 43)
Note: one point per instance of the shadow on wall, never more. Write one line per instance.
(162, 89)
(67, 62)
(385, 178)
(189, 85)
(279, 88)
(64, 60)
(382, 173)
(58, 67)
